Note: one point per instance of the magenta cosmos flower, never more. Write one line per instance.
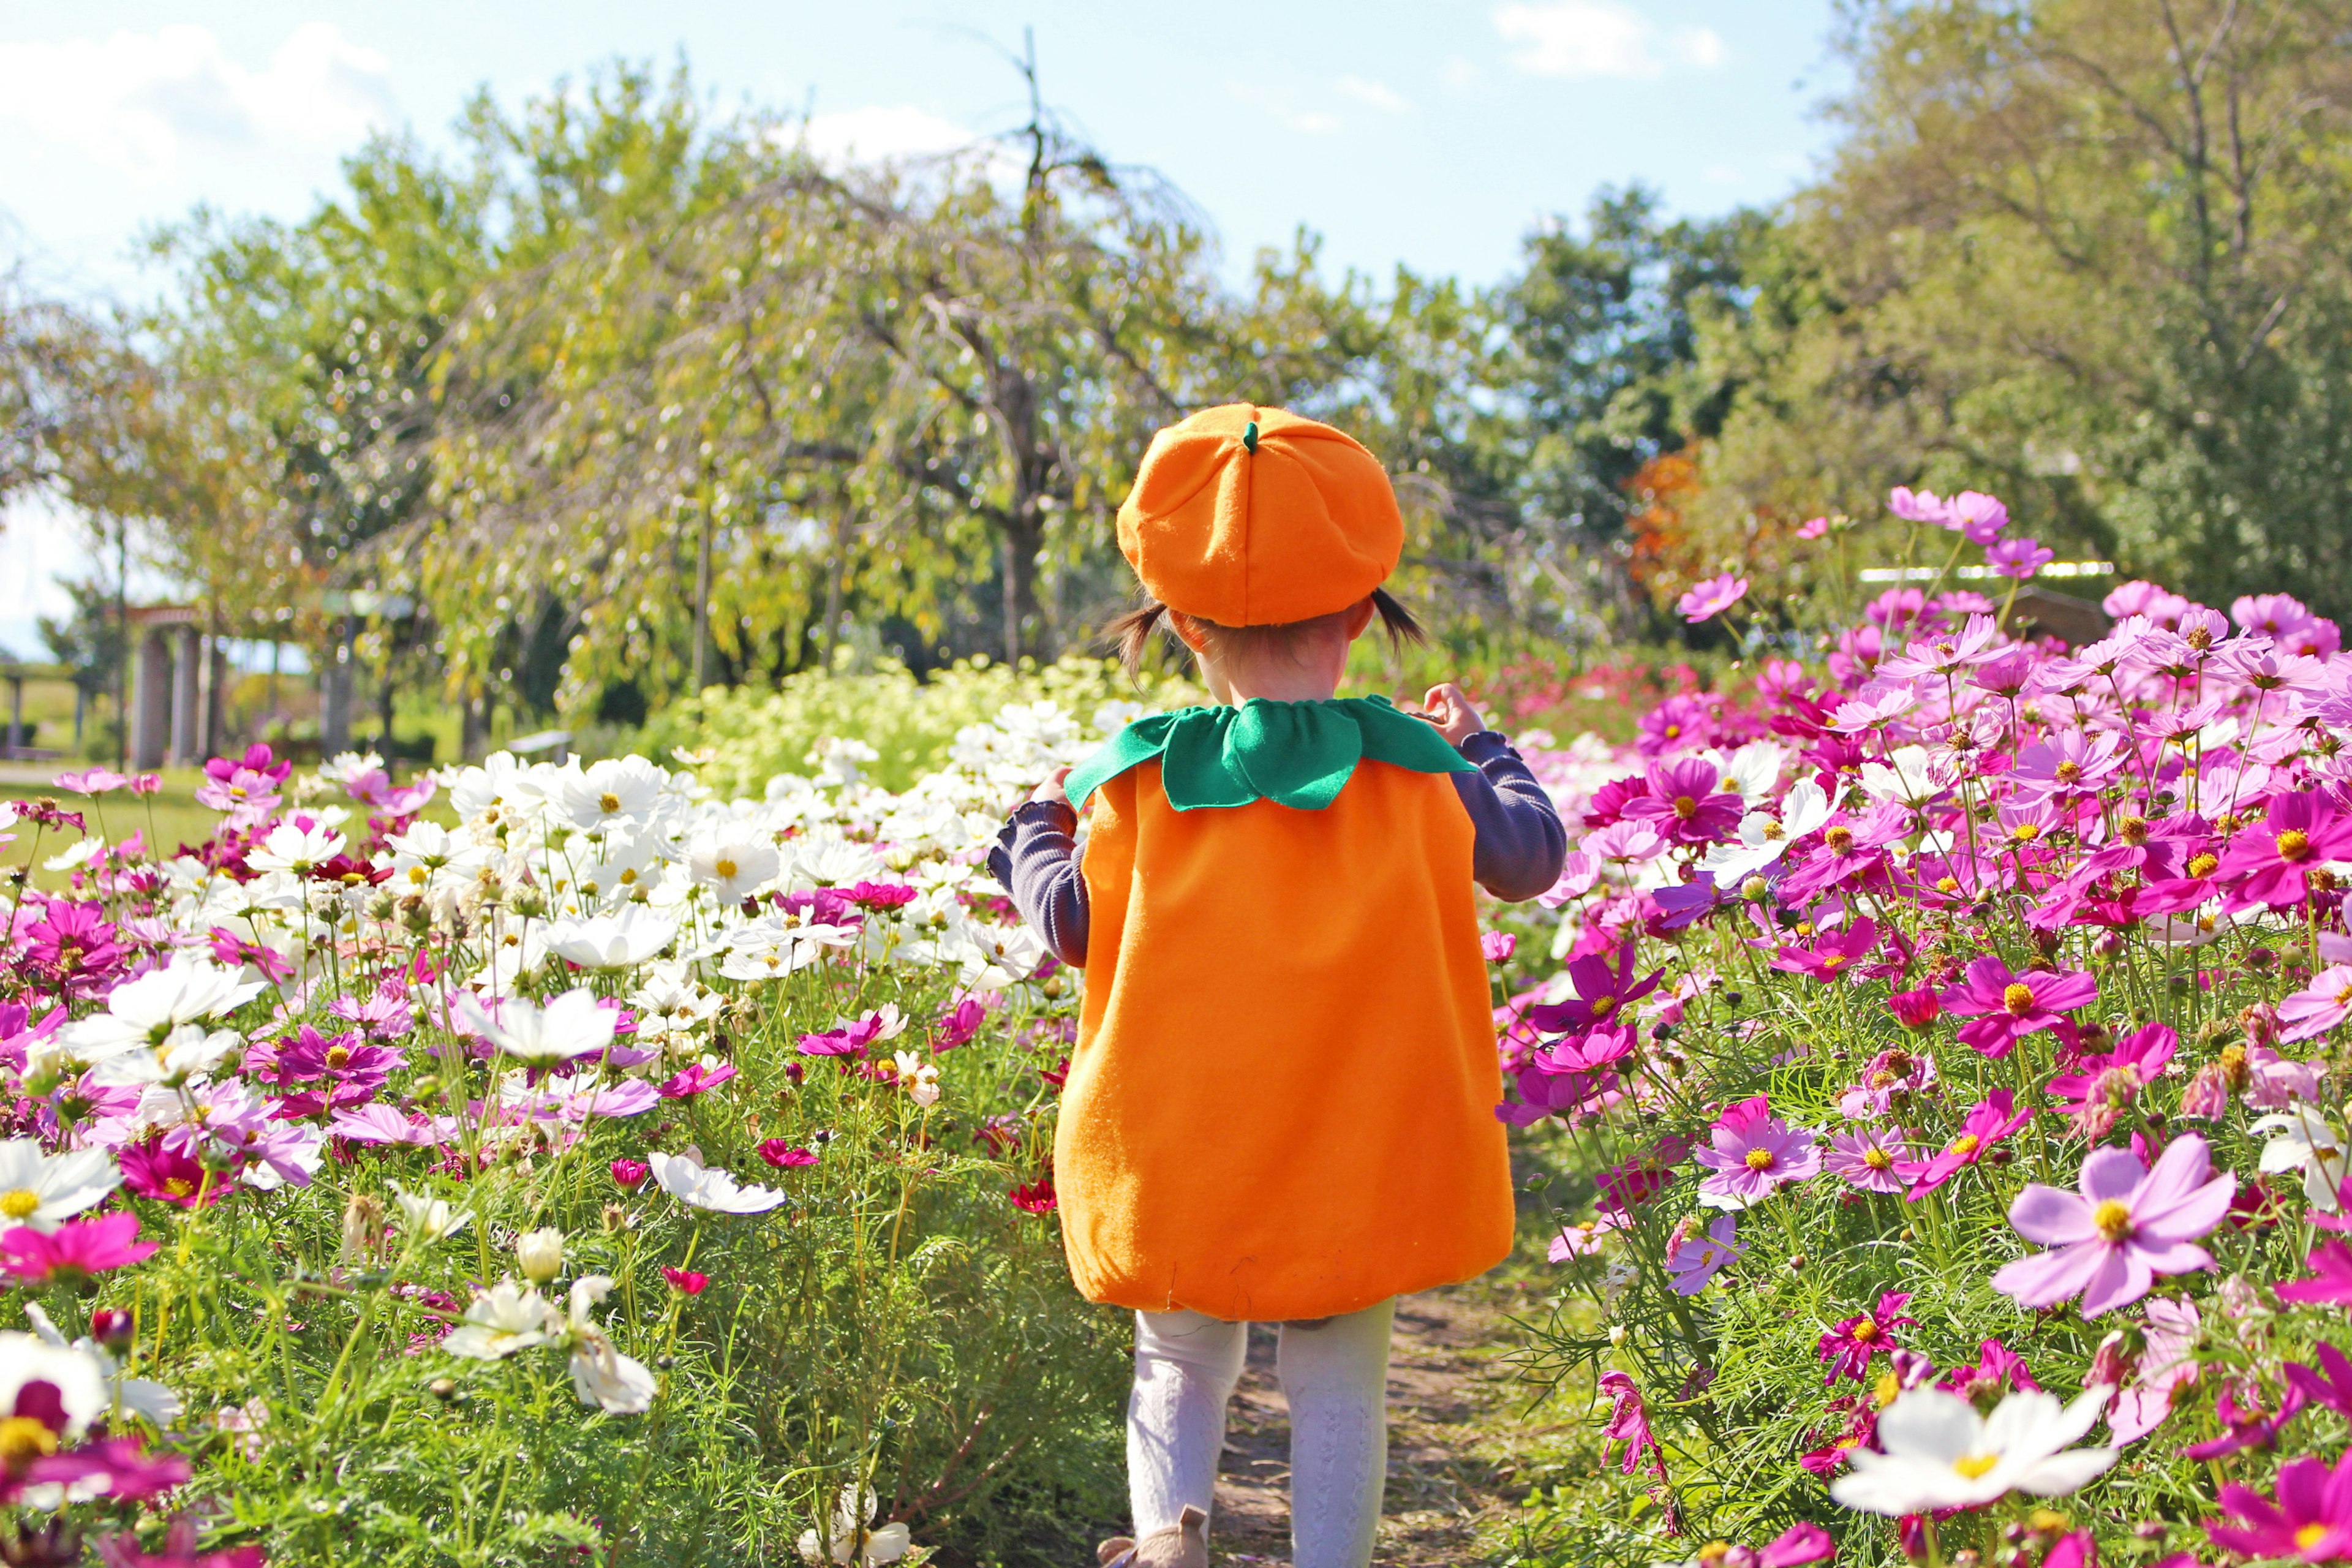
(1849, 1347)
(76, 1250)
(1628, 1421)
(1711, 597)
(2103, 1087)
(2004, 1008)
(1754, 1154)
(1833, 954)
(1604, 985)
(2019, 558)
(1987, 1123)
(2127, 1224)
(2331, 1278)
(2269, 864)
(2311, 1522)
(1686, 803)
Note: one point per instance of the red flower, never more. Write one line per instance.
(784, 1157)
(686, 1280)
(1849, 1347)
(631, 1174)
(1037, 1196)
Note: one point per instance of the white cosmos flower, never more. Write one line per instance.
(142, 1012)
(189, 1051)
(1764, 837)
(1750, 772)
(2301, 1138)
(41, 1191)
(501, 1321)
(573, 1025)
(291, 847)
(429, 1218)
(82, 1387)
(73, 857)
(618, 941)
(140, 1395)
(770, 947)
(733, 862)
(601, 1375)
(685, 1178)
(1908, 775)
(920, 1079)
(1939, 1453)
(617, 791)
(852, 1540)
(821, 858)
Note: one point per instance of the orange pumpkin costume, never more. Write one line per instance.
(1282, 1100)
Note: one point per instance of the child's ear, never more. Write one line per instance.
(1188, 631)
(1359, 616)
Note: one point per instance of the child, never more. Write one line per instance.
(1282, 1103)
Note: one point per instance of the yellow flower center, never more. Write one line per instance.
(1715, 1552)
(2025, 832)
(1839, 839)
(2068, 773)
(23, 1440)
(179, 1186)
(1864, 1332)
(2293, 843)
(1879, 1160)
(1975, 1465)
(1602, 1004)
(339, 1055)
(2309, 1536)
(1948, 884)
(19, 1202)
(1760, 1159)
(2112, 1219)
(2017, 999)
(1966, 1143)
(417, 875)
(2202, 865)
(608, 801)
(1686, 807)
(726, 869)
(2132, 830)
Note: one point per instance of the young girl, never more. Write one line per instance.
(1282, 1103)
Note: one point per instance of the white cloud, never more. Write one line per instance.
(139, 102)
(1458, 75)
(1379, 94)
(1598, 37)
(877, 134)
(1284, 106)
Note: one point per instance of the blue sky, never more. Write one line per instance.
(1429, 133)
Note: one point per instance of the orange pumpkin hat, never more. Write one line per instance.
(1253, 517)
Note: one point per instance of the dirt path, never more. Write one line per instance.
(1450, 1418)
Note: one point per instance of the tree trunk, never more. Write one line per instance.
(1022, 540)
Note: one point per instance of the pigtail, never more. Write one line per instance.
(1396, 621)
(1131, 633)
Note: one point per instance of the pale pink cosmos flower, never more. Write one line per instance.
(2127, 1224)
(92, 781)
(1976, 515)
(2168, 1364)
(1870, 1161)
(1696, 1259)
(2019, 558)
(2318, 1007)
(1711, 598)
(1813, 528)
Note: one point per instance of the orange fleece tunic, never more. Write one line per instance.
(1282, 1101)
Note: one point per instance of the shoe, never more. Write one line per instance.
(1184, 1544)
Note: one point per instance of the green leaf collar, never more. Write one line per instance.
(1298, 754)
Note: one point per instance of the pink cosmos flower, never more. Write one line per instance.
(630, 1175)
(695, 1079)
(75, 1252)
(1497, 946)
(1638, 1180)
(2127, 1224)
(2248, 1424)
(1604, 987)
(1918, 506)
(1696, 1259)
(784, 1157)
(1629, 1423)
(92, 781)
(1685, 803)
(2311, 1522)
(1978, 516)
(118, 1469)
(1916, 1009)
(2143, 598)
(958, 1024)
(2166, 1365)
(1037, 1197)
(1813, 528)
(685, 1280)
(1987, 1123)
(1996, 1372)
(2103, 1087)
(1871, 1161)
(2071, 763)
(2006, 1008)
(2328, 1384)
(2331, 1278)
(1583, 1240)
(155, 1169)
(2018, 558)
(1849, 1346)
(1753, 1154)
(2268, 864)
(1711, 597)
(2318, 1007)
(122, 1551)
(1834, 954)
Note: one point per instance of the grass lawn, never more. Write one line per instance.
(168, 819)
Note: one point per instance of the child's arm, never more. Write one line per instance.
(1520, 842)
(1037, 860)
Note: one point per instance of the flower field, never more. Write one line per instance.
(1951, 1030)
(1934, 1048)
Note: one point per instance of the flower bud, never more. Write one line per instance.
(362, 1228)
(539, 1254)
(1916, 1009)
(113, 1328)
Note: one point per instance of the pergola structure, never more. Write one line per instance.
(177, 680)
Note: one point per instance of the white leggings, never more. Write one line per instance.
(1334, 1373)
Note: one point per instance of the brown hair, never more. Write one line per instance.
(1131, 633)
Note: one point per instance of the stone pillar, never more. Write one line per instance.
(335, 696)
(150, 701)
(187, 666)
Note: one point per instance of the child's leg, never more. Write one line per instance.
(1185, 1368)
(1335, 1375)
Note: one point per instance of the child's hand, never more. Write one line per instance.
(1052, 788)
(1449, 710)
